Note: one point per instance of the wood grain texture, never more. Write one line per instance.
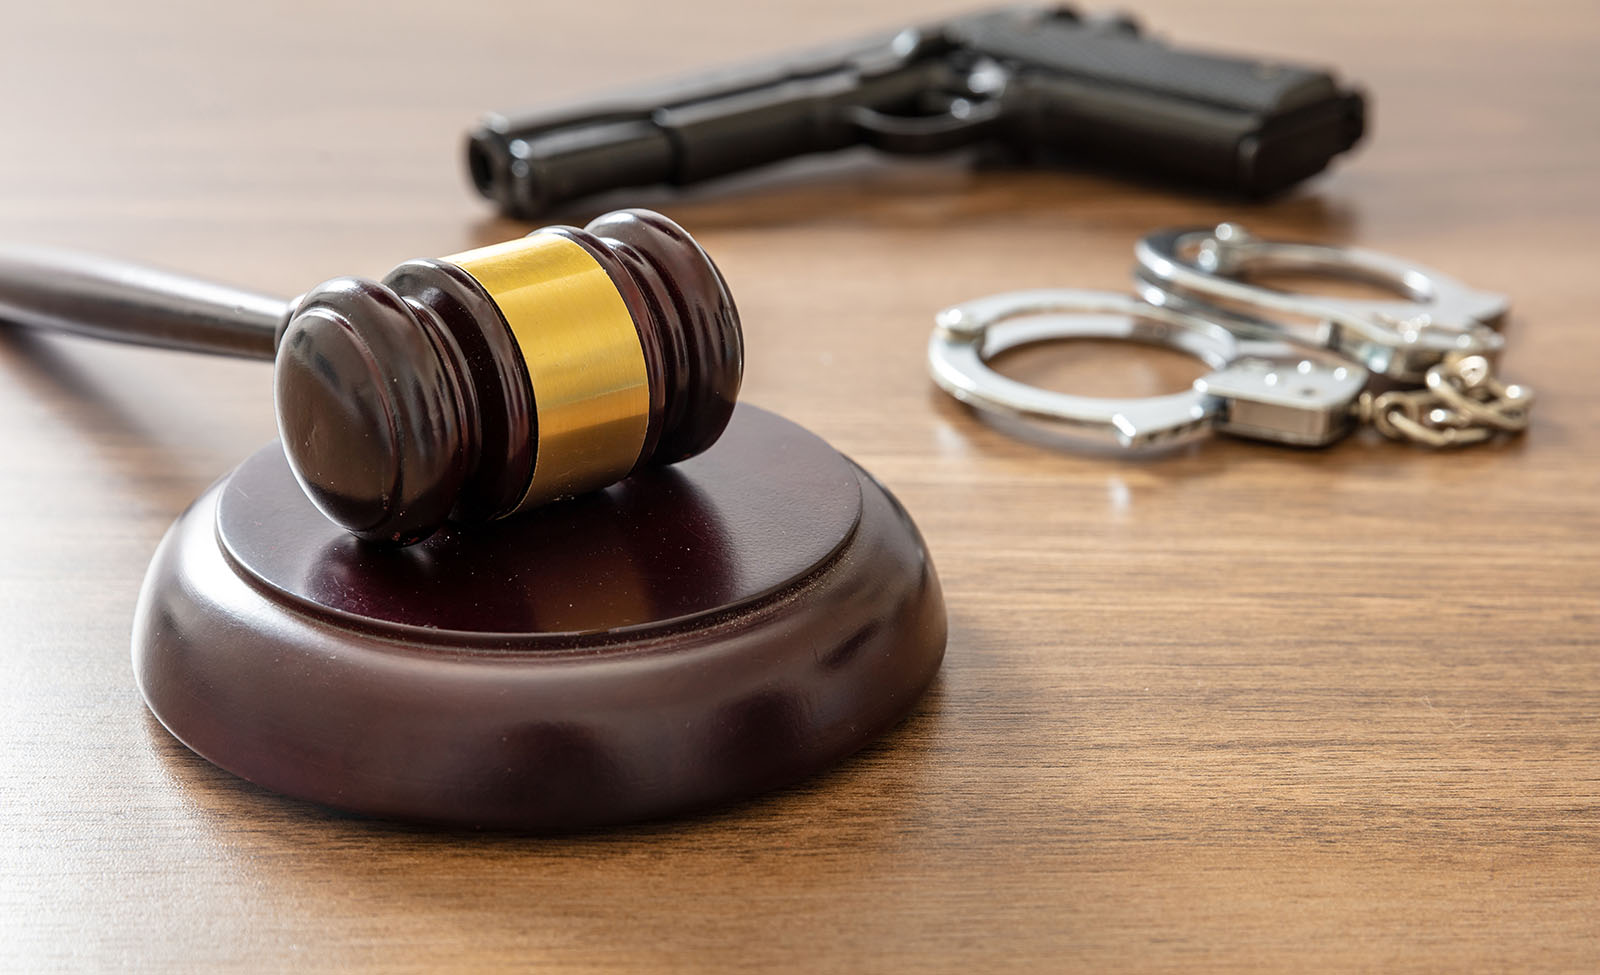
(1243, 708)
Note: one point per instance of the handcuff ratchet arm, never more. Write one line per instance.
(1304, 403)
(1197, 270)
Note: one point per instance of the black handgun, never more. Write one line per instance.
(1042, 84)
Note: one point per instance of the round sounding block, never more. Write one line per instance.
(693, 635)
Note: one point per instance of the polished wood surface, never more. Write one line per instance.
(1244, 708)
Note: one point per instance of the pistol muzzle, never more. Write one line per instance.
(532, 168)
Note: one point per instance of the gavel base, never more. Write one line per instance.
(692, 636)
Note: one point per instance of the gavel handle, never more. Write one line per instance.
(108, 299)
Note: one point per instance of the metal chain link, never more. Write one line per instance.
(1462, 403)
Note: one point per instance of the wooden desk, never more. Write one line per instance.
(1244, 708)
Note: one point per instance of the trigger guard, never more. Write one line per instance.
(916, 134)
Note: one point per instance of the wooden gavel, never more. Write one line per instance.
(472, 387)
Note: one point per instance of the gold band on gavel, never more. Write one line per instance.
(591, 391)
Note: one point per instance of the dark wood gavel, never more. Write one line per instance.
(470, 387)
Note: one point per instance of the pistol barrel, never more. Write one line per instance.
(527, 166)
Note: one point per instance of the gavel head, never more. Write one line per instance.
(485, 383)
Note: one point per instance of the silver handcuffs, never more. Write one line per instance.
(1287, 368)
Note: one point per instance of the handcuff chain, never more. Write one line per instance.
(1462, 403)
